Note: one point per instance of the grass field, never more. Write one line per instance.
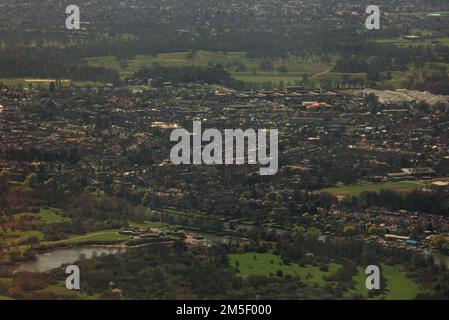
(246, 69)
(17, 236)
(418, 42)
(59, 290)
(314, 68)
(6, 281)
(267, 264)
(399, 287)
(231, 61)
(22, 83)
(103, 237)
(356, 190)
(48, 215)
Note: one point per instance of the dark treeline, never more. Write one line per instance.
(50, 62)
(435, 84)
(429, 202)
(212, 75)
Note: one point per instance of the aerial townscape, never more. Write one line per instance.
(87, 178)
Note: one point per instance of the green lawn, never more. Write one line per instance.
(414, 43)
(48, 215)
(19, 236)
(20, 82)
(205, 58)
(52, 215)
(6, 281)
(399, 287)
(231, 61)
(267, 264)
(59, 290)
(356, 190)
(108, 236)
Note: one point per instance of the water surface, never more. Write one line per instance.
(58, 257)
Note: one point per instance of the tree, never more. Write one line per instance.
(5, 178)
(282, 69)
(50, 184)
(31, 180)
(266, 65)
(349, 230)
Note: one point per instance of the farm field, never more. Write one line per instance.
(356, 190)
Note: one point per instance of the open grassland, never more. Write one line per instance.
(45, 83)
(104, 237)
(6, 281)
(399, 286)
(15, 237)
(229, 60)
(313, 69)
(237, 63)
(267, 264)
(47, 215)
(420, 13)
(356, 190)
(59, 290)
(417, 42)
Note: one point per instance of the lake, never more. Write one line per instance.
(56, 258)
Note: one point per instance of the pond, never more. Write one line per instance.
(56, 258)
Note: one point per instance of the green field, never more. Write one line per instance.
(21, 83)
(313, 68)
(267, 264)
(6, 281)
(237, 63)
(107, 236)
(399, 287)
(59, 290)
(229, 60)
(48, 215)
(15, 237)
(356, 190)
